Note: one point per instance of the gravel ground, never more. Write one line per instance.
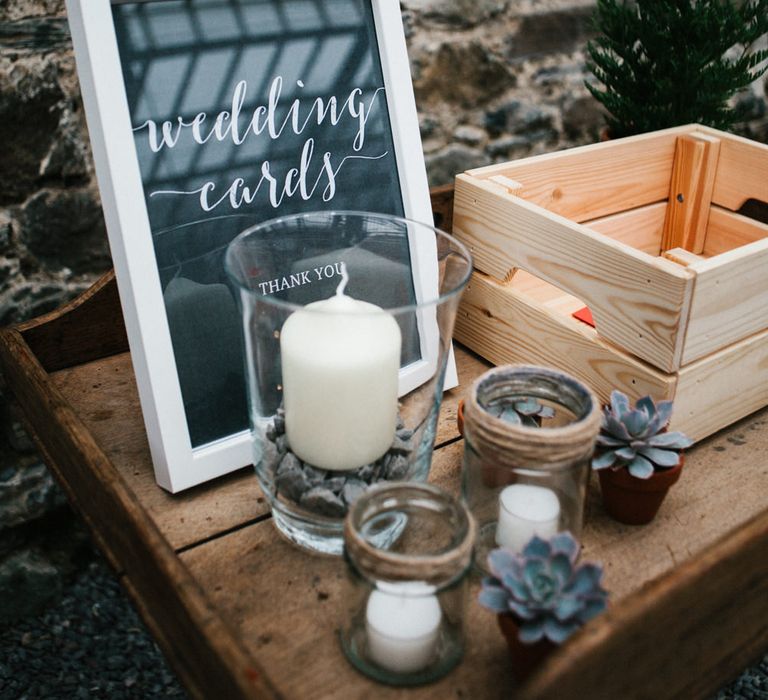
(91, 644)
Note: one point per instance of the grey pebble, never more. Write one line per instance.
(353, 489)
(323, 502)
(336, 484)
(313, 474)
(400, 446)
(397, 468)
(291, 481)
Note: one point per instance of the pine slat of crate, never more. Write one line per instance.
(730, 300)
(637, 301)
(565, 183)
(723, 387)
(505, 326)
(640, 228)
(727, 230)
(690, 191)
(742, 171)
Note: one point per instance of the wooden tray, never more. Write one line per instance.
(645, 232)
(240, 613)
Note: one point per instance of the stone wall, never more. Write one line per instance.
(494, 80)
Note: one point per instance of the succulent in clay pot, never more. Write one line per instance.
(636, 458)
(542, 596)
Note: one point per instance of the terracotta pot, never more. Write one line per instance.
(636, 501)
(525, 658)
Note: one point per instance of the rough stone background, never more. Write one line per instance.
(494, 80)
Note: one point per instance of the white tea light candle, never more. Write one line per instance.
(524, 511)
(341, 359)
(402, 629)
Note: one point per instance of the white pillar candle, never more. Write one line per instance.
(402, 629)
(525, 511)
(341, 359)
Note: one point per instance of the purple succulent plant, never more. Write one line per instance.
(634, 437)
(527, 411)
(544, 589)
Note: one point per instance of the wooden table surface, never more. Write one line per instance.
(281, 604)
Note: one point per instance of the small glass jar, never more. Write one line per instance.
(529, 434)
(409, 549)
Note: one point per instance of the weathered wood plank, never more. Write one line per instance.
(88, 327)
(285, 603)
(585, 183)
(104, 396)
(680, 636)
(638, 302)
(214, 658)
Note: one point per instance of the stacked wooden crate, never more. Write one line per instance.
(645, 233)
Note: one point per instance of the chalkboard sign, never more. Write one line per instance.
(206, 117)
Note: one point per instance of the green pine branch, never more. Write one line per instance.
(661, 63)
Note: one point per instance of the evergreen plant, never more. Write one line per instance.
(668, 62)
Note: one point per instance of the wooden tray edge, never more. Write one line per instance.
(214, 662)
(638, 649)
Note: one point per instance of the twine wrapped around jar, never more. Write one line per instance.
(422, 562)
(521, 446)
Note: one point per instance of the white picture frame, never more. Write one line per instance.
(177, 464)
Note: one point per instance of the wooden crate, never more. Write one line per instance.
(645, 232)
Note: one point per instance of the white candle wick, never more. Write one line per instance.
(344, 281)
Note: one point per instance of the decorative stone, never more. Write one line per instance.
(335, 484)
(401, 446)
(291, 480)
(397, 467)
(314, 475)
(323, 502)
(352, 490)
